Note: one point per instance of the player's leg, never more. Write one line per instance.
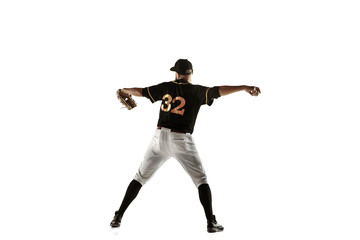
(206, 201)
(153, 160)
(184, 150)
(131, 193)
(146, 170)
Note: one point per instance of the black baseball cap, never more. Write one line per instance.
(183, 67)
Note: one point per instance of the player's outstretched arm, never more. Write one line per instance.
(137, 92)
(226, 90)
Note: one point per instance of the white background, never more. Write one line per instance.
(284, 165)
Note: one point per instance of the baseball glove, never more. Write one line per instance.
(126, 99)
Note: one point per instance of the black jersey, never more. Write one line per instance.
(181, 102)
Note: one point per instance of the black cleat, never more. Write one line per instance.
(213, 226)
(116, 221)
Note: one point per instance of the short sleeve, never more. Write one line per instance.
(207, 95)
(154, 93)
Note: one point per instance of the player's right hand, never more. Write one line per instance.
(253, 91)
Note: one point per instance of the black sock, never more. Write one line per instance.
(205, 199)
(131, 193)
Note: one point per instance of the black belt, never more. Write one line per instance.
(173, 130)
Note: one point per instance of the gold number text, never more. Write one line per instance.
(167, 103)
(181, 105)
(166, 106)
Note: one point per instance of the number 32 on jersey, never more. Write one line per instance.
(166, 106)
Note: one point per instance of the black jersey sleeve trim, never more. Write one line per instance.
(152, 99)
(206, 96)
(211, 94)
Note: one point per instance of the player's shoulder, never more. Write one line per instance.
(198, 87)
(186, 84)
(162, 84)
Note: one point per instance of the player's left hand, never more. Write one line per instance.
(253, 91)
(126, 99)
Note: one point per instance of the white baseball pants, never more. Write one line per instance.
(166, 144)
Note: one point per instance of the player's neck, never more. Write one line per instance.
(181, 80)
(184, 78)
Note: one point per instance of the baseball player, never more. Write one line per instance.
(180, 104)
